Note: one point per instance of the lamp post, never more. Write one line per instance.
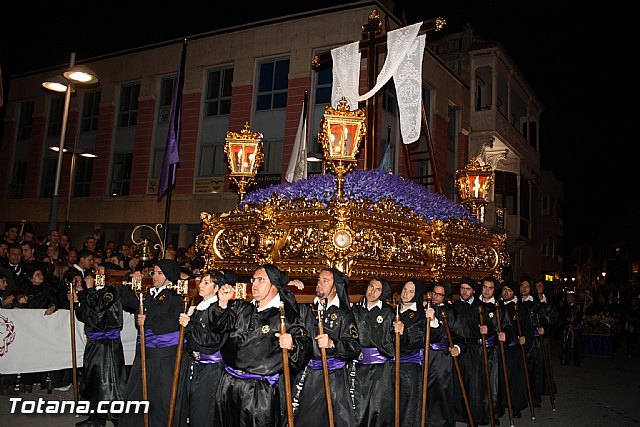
(340, 133)
(245, 155)
(473, 182)
(72, 174)
(73, 74)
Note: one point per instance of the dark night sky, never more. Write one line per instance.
(573, 57)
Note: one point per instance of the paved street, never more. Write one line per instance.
(603, 392)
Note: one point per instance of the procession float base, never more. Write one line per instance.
(384, 225)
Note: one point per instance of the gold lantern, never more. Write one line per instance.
(245, 155)
(340, 133)
(473, 183)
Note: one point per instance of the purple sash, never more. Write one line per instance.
(271, 379)
(413, 357)
(371, 356)
(490, 342)
(152, 340)
(109, 334)
(513, 342)
(440, 345)
(333, 363)
(204, 358)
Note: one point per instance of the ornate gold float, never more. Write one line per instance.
(364, 223)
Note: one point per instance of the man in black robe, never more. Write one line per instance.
(441, 401)
(377, 326)
(535, 355)
(202, 362)
(412, 315)
(513, 352)
(250, 388)
(340, 341)
(104, 373)
(161, 331)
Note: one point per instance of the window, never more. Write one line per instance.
(166, 94)
(525, 213)
(218, 100)
(49, 167)
(212, 160)
(121, 174)
(84, 170)
(389, 99)
(506, 191)
(273, 156)
(26, 121)
(90, 112)
(481, 95)
(128, 111)
(18, 179)
(546, 204)
(55, 116)
(273, 82)
(324, 80)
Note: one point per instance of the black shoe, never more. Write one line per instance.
(517, 414)
(496, 422)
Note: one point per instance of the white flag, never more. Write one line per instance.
(297, 168)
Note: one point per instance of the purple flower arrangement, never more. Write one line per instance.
(371, 184)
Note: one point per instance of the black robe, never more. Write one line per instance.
(252, 348)
(201, 379)
(311, 401)
(162, 313)
(411, 373)
(104, 373)
(441, 397)
(534, 351)
(374, 392)
(513, 354)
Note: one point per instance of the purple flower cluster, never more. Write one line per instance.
(371, 184)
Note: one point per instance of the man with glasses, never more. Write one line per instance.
(162, 331)
(441, 402)
(251, 388)
(340, 341)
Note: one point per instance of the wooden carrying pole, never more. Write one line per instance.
(486, 367)
(425, 365)
(505, 371)
(285, 368)
(143, 362)
(547, 367)
(325, 369)
(526, 367)
(72, 321)
(176, 367)
(456, 364)
(397, 385)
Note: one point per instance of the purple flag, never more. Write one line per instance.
(171, 157)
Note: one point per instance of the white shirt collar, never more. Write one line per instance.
(334, 302)
(204, 304)
(491, 300)
(156, 291)
(411, 306)
(377, 304)
(274, 303)
(527, 298)
(470, 300)
(514, 300)
(543, 299)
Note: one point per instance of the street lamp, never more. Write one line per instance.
(73, 75)
(75, 152)
(473, 182)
